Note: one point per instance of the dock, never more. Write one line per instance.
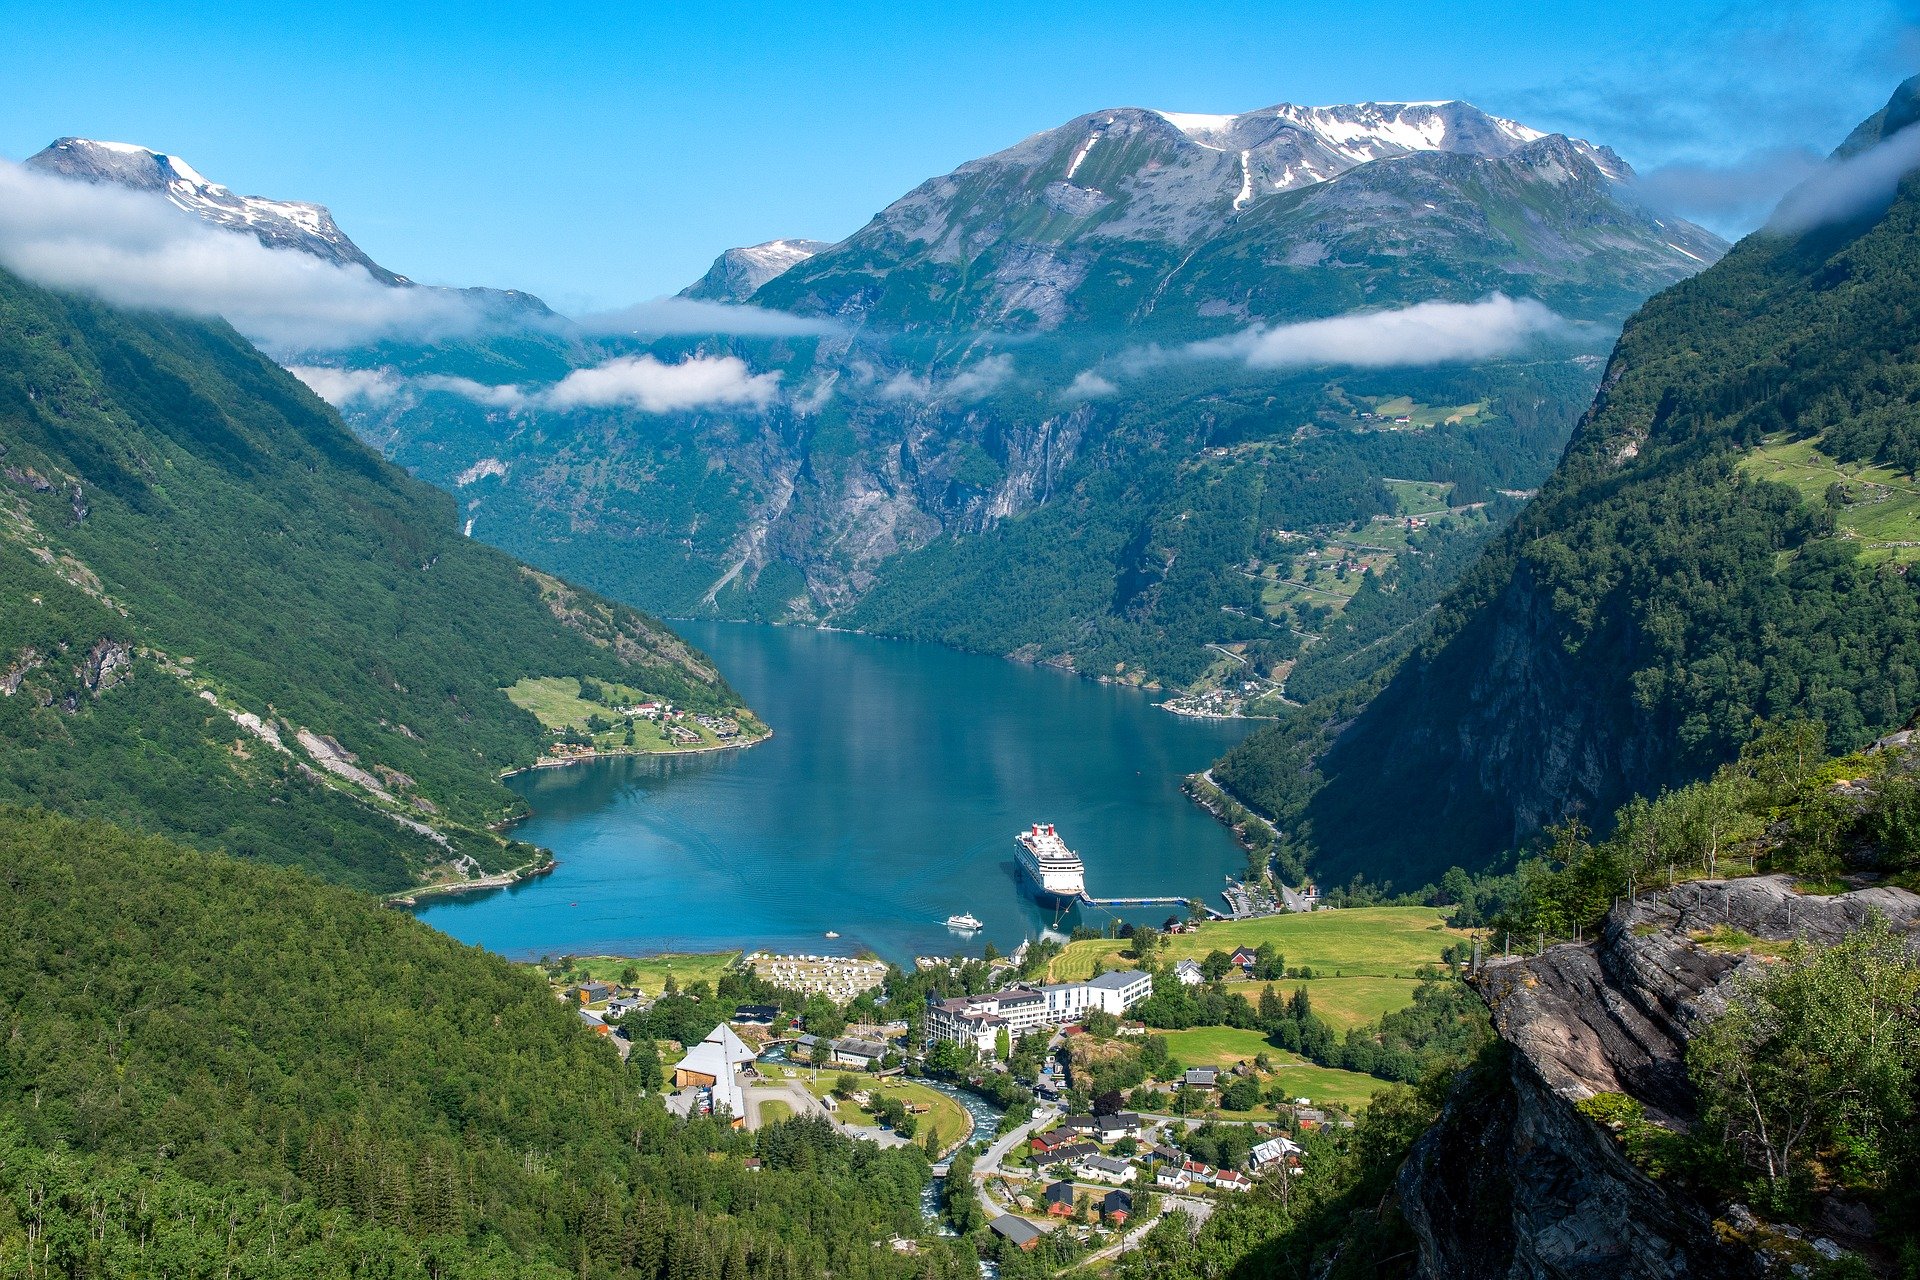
(1088, 900)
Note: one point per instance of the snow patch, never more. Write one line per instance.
(480, 471)
(1080, 156)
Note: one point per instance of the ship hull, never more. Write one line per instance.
(1061, 887)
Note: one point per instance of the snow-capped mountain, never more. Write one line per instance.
(737, 273)
(1088, 221)
(278, 224)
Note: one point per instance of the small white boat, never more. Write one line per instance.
(832, 934)
(966, 922)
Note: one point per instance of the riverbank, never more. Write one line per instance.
(588, 755)
(540, 866)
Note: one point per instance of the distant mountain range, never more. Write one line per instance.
(1139, 218)
(971, 431)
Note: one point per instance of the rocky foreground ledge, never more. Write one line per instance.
(1513, 1181)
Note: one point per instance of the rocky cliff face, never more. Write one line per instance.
(1514, 1182)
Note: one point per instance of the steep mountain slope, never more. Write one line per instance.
(1190, 223)
(1728, 536)
(224, 617)
(216, 1069)
(737, 273)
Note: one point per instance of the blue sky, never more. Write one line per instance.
(599, 154)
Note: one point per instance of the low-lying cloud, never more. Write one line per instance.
(1727, 198)
(978, 380)
(670, 317)
(630, 382)
(136, 250)
(642, 382)
(1427, 333)
(1857, 186)
(1088, 385)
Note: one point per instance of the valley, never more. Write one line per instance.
(1326, 692)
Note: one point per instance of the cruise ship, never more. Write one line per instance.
(1056, 871)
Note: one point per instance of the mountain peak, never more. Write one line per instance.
(278, 224)
(736, 274)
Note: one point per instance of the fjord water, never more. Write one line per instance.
(886, 801)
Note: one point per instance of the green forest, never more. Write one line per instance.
(216, 1068)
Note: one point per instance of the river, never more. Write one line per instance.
(886, 801)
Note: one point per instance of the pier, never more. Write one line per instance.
(1088, 900)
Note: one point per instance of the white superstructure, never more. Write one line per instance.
(1056, 871)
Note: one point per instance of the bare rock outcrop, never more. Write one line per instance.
(1514, 1181)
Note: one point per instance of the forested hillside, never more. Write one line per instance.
(223, 617)
(1728, 536)
(214, 1068)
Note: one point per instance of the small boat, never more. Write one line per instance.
(832, 934)
(965, 922)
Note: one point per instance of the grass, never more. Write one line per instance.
(1882, 510)
(556, 703)
(1344, 1003)
(1378, 942)
(1726, 939)
(1225, 1047)
(1372, 942)
(1419, 497)
(772, 1111)
(653, 970)
(947, 1118)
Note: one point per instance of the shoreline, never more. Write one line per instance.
(561, 762)
(409, 898)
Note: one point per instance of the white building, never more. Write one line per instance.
(977, 1020)
(1189, 973)
(1103, 1169)
(1274, 1151)
(711, 1065)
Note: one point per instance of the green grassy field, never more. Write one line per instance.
(946, 1117)
(1227, 1046)
(1882, 509)
(1420, 497)
(653, 970)
(1379, 942)
(772, 1111)
(1374, 942)
(556, 702)
(1346, 1002)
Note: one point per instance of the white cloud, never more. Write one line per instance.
(1427, 333)
(136, 250)
(669, 316)
(1860, 184)
(502, 396)
(630, 382)
(642, 382)
(982, 378)
(1088, 385)
(343, 387)
(906, 386)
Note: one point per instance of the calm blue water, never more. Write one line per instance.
(886, 801)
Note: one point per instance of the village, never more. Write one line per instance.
(1036, 1080)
